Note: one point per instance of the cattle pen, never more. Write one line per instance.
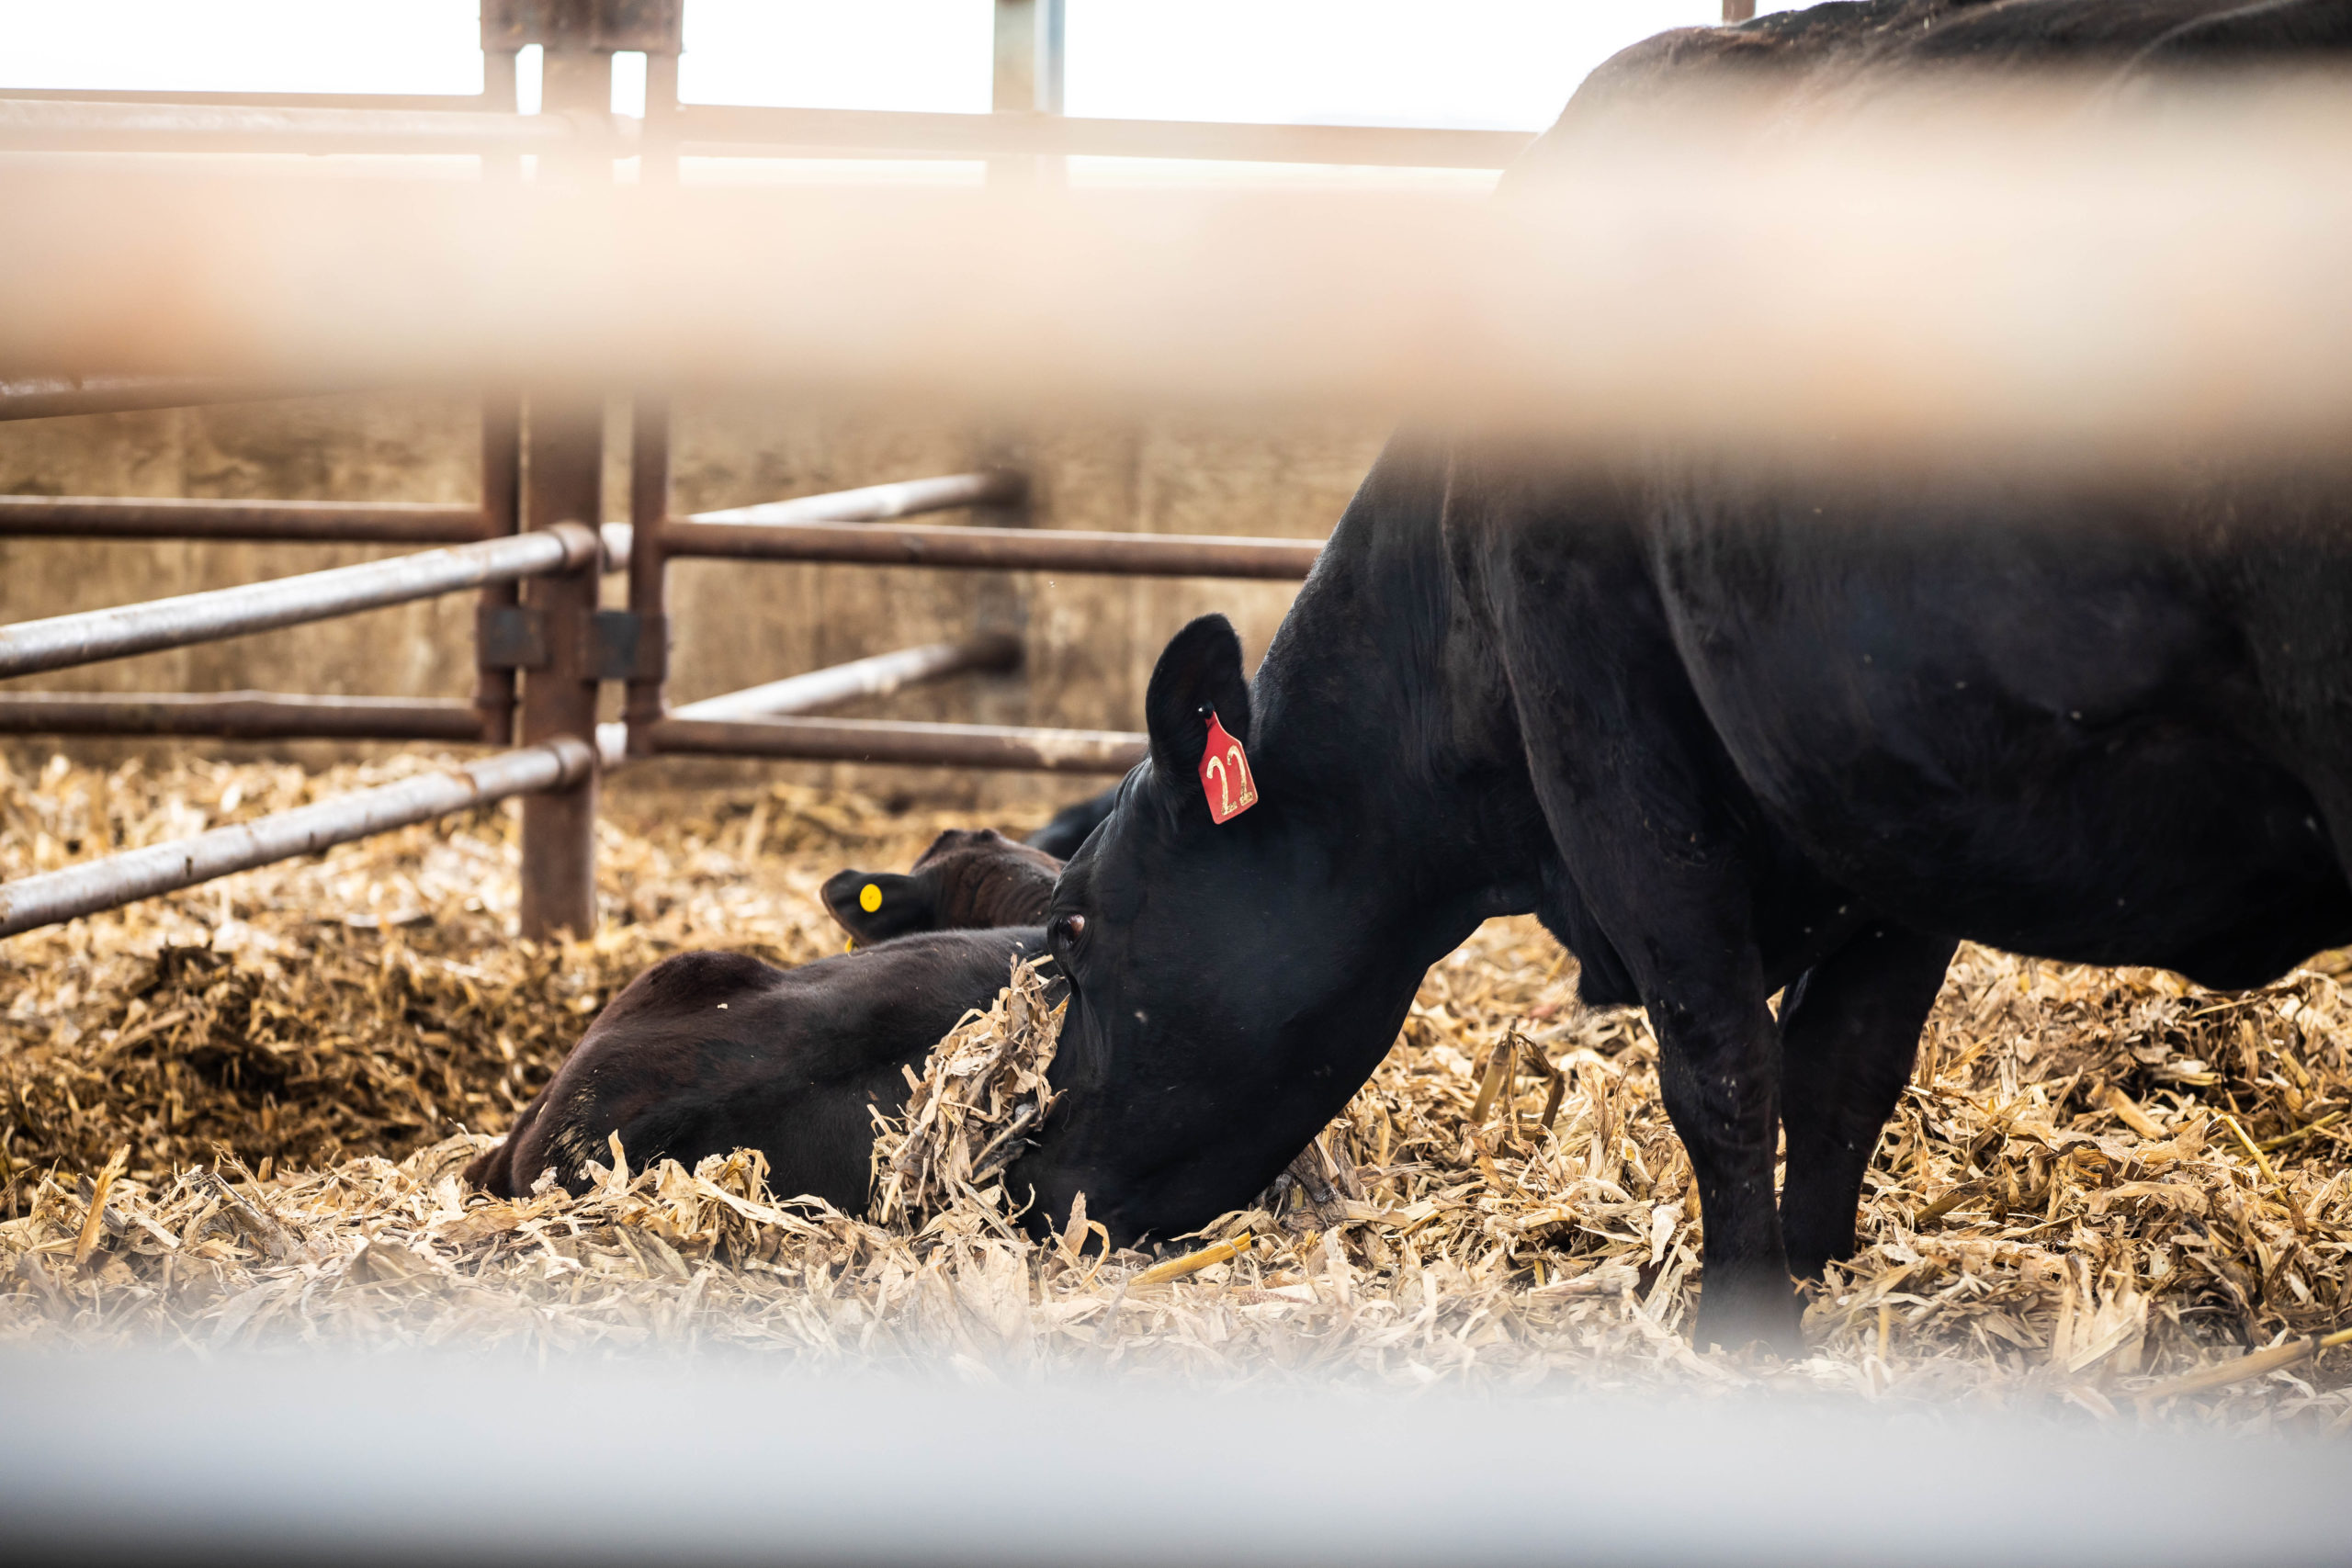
(544, 651)
(234, 1114)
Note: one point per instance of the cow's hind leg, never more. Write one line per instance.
(1849, 1030)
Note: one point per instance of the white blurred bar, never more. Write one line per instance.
(297, 1455)
(2014, 274)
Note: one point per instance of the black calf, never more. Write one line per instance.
(710, 1052)
(970, 879)
(706, 1052)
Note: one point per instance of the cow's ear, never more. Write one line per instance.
(1199, 673)
(873, 905)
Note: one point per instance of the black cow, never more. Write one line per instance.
(969, 879)
(1726, 730)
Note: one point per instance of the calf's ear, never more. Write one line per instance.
(875, 906)
(1199, 673)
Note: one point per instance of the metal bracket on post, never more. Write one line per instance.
(626, 646)
(509, 636)
(605, 26)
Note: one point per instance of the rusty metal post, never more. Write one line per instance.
(577, 80)
(1739, 11)
(501, 494)
(565, 483)
(648, 493)
(566, 460)
(496, 618)
(649, 501)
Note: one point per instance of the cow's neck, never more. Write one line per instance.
(1380, 701)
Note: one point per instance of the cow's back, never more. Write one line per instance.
(1831, 57)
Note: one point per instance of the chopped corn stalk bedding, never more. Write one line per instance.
(240, 1112)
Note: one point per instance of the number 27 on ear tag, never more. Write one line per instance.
(1224, 774)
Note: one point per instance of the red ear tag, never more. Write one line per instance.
(1224, 774)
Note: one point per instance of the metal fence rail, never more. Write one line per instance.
(1000, 549)
(46, 397)
(114, 880)
(244, 716)
(876, 676)
(721, 129)
(62, 641)
(903, 742)
(126, 517)
(84, 125)
(875, 504)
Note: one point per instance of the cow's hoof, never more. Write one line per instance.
(1764, 1313)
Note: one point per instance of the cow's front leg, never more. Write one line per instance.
(1719, 1074)
(1848, 1033)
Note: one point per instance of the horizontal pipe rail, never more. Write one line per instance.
(93, 125)
(877, 504)
(61, 641)
(878, 676)
(728, 129)
(889, 740)
(241, 715)
(229, 122)
(125, 518)
(48, 397)
(1004, 550)
(433, 102)
(54, 895)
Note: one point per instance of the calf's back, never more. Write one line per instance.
(706, 1052)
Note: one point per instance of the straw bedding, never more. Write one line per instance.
(238, 1114)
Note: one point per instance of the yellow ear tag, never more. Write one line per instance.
(869, 897)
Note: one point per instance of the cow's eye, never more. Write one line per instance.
(1067, 929)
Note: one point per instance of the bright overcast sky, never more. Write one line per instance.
(1460, 63)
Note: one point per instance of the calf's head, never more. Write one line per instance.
(1231, 983)
(970, 879)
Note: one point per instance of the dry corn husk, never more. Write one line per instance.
(980, 1090)
(2060, 1217)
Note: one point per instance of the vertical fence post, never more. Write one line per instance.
(648, 471)
(502, 438)
(498, 95)
(501, 495)
(566, 477)
(1027, 80)
(567, 462)
(1739, 11)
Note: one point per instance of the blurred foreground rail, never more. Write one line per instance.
(2008, 274)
